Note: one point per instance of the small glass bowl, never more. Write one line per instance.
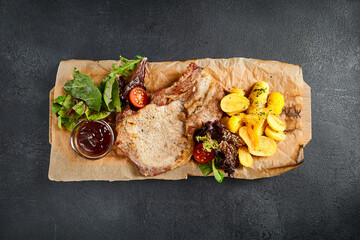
(75, 146)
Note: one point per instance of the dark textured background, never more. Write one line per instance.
(318, 200)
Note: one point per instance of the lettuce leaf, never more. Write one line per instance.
(79, 108)
(59, 122)
(60, 100)
(208, 142)
(115, 103)
(109, 86)
(68, 103)
(82, 87)
(217, 174)
(55, 108)
(98, 115)
(86, 101)
(111, 95)
(205, 168)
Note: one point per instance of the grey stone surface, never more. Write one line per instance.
(318, 200)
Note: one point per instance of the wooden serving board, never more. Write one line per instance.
(65, 165)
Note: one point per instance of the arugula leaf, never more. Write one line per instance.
(82, 87)
(127, 67)
(55, 108)
(79, 108)
(217, 174)
(60, 99)
(98, 115)
(205, 168)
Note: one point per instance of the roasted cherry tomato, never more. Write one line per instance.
(138, 97)
(201, 155)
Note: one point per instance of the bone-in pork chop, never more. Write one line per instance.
(158, 137)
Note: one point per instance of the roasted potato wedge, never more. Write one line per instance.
(245, 157)
(260, 127)
(254, 138)
(238, 91)
(267, 147)
(243, 133)
(224, 121)
(253, 119)
(275, 123)
(259, 94)
(235, 122)
(277, 136)
(234, 102)
(275, 103)
(233, 113)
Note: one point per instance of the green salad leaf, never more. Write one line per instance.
(208, 142)
(217, 174)
(59, 122)
(68, 103)
(127, 67)
(98, 115)
(79, 108)
(55, 108)
(209, 167)
(111, 94)
(205, 168)
(82, 87)
(60, 100)
(86, 101)
(115, 103)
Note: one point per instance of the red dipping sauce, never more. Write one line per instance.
(92, 139)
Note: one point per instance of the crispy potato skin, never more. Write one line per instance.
(245, 157)
(253, 118)
(275, 103)
(234, 102)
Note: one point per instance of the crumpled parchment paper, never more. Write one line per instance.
(285, 78)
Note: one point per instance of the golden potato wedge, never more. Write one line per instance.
(243, 133)
(245, 157)
(254, 138)
(234, 123)
(267, 147)
(259, 94)
(234, 102)
(277, 136)
(275, 103)
(253, 119)
(275, 123)
(224, 120)
(260, 127)
(238, 91)
(233, 113)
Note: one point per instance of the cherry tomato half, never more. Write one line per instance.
(138, 97)
(201, 155)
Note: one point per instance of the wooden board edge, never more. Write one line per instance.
(51, 99)
(306, 114)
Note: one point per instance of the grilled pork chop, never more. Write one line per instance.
(158, 137)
